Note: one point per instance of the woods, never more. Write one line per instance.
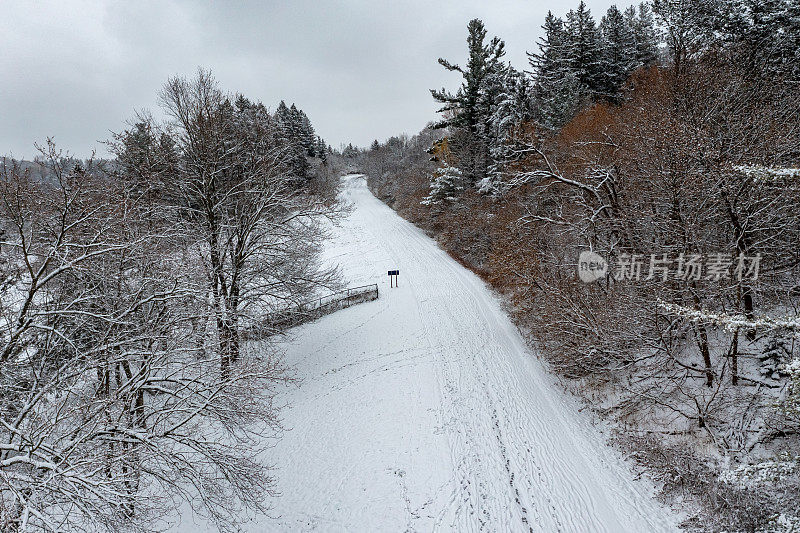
(126, 388)
(665, 140)
(598, 322)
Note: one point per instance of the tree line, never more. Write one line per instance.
(663, 139)
(126, 286)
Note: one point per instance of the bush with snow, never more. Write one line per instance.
(446, 184)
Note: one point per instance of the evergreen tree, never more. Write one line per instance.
(446, 185)
(147, 155)
(350, 151)
(289, 134)
(551, 62)
(513, 109)
(283, 124)
(498, 105)
(561, 101)
(307, 135)
(557, 92)
(298, 162)
(619, 52)
(642, 25)
(241, 103)
(584, 48)
(321, 150)
(468, 111)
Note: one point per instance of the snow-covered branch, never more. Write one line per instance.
(733, 322)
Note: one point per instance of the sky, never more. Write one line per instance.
(361, 70)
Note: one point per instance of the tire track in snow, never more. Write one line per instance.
(425, 411)
(475, 443)
(580, 507)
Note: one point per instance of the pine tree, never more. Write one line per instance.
(446, 185)
(513, 109)
(466, 102)
(468, 111)
(551, 62)
(584, 48)
(322, 150)
(558, 93)
(497, 105)
(350, 151)
(619, 52)
(307, 135)
(561, 101)
(283, 124)
(644, 33)
(289, 134)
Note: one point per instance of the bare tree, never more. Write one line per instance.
(110, 398)
(257, 229)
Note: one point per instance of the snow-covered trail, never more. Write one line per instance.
(425, 411)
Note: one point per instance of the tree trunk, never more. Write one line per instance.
(702, 341)
(747, 300)
(735, 358)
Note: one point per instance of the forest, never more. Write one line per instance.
(661, 142)
(127, 285)
(596, 320)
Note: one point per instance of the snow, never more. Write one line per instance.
(760, 173)
(424, 410)
(762, 472)
(733, 322)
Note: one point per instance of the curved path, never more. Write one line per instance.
(425, 411)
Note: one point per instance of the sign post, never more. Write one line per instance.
(393, 277)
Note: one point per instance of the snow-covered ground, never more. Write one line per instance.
(425, 411)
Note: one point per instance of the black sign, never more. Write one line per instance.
(394, 272)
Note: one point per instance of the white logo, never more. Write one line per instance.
(591, 267)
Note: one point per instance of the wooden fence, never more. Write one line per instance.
(311, 310)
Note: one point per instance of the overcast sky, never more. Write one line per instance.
(361, 70)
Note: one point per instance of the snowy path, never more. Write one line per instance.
(424, 410)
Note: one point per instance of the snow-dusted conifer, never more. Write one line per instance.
(558, 92)
(641, 23)
(447, 182)
(468, 110)
(584, 48)
(619, 51)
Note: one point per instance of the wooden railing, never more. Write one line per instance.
(345, 297)
(311, 310)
